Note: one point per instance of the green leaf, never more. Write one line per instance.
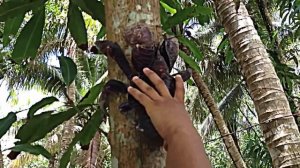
(30, 37)
(229, 55)
(33, 149)
(189, 61)
(186, 13)
(42, 103)
(94, 8)
(163, 15)
(84, 136)
(173, 4)
(92, 94)
(6, 123)
(198, 2)
(167, 8)
(202, 19)
(91, 127)
(224, 44)
(68, 69)
(101, 33)
(11, 27)
(77, 27)
(11, 9)
(63, 163)
(40, 125)
(192, 46)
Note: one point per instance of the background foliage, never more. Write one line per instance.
(45, 44)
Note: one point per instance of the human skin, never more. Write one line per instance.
(184, 145)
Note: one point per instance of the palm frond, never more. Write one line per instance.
(34, 74)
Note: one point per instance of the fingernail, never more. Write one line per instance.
(135, 78)
(178, 76)
(146, 69)
(129, 88)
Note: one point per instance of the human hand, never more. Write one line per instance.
(167, 113)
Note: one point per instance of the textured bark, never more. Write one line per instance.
(68, 127)
(232, 96)
(219, 121)
(1, 158)
(51, 163)
(90, 156)
(68, 130)
(126, 148)
(277, 123)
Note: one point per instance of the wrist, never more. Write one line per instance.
(184, 130)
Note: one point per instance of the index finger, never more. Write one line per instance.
(179, 92)
(139, 96)
(158, 82)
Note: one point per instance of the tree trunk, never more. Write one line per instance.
(88, 158)
(1, 158)
(68, 131)
(207, 125)
(126, 149)
(277, 123)
(231, 147)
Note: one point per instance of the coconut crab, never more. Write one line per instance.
(145, 53)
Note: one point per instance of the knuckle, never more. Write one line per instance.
(179, 86)
(137, 81)
(139, 96)
(160, 83)
(152, 75)
(148, 88)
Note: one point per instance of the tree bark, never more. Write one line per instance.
(276, 121)
(68, 131)
(231, 147)
(126, 149)
(1, 158)
(207, 125)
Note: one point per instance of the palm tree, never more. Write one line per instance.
(275, 117)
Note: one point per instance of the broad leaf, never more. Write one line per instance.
(167, 7)
(101, 33)
(40, 125)
(202, 19)
(11, 27)
(11, 9)
(189, 61)
(184, 14)
(91, 127)
(77, 27)
(30, 37)
(92, 94)
(163, 15)
(173, 4)
(84, 136)
(42, 103)
(94, 8)
(6, 123)
(33, 149)
(192, 46)
(68, 69)
(66, 156)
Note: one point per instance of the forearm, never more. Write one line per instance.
(185, 149)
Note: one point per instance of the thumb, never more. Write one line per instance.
(179, 92)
